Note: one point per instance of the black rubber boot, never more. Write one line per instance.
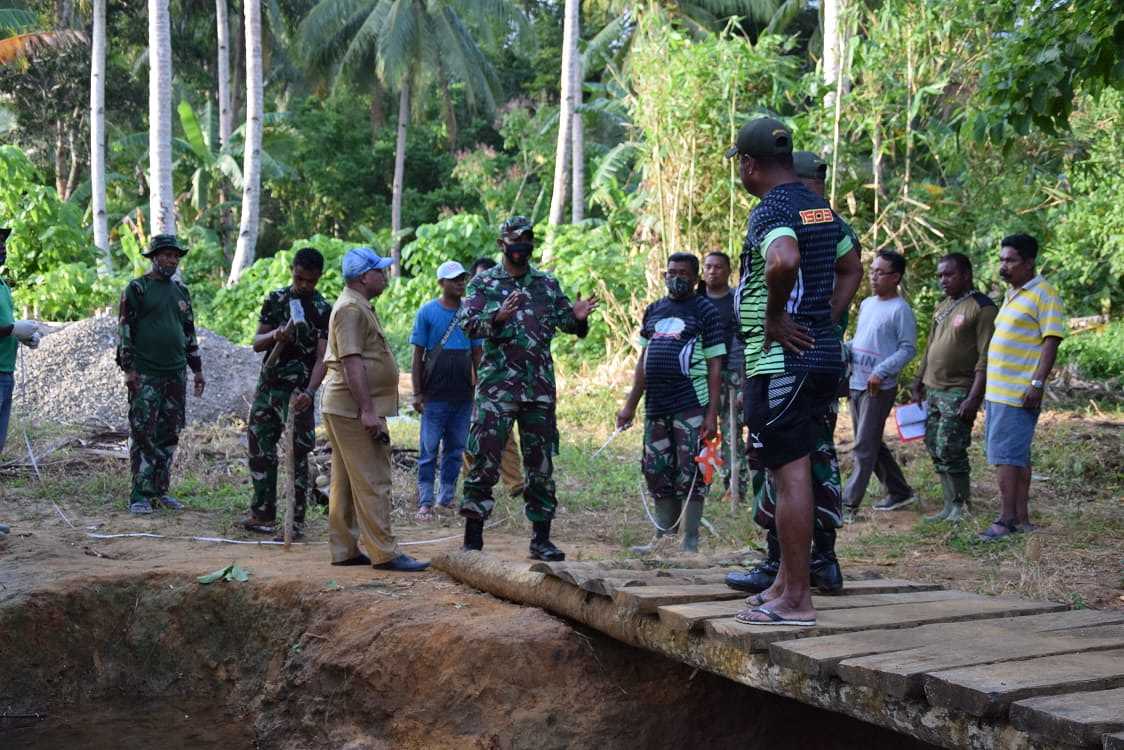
(473, 534)
(826, 575)
(692, 518)
(541, 546)
(760, 577)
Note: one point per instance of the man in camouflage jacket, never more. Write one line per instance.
(156, 333)
(516, 310)
(289, 382)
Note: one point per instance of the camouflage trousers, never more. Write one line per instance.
(492, 423)
(947, 436)
(156, 416)
(671, 443)
(731, 421)
(264, 431)
(827, 489)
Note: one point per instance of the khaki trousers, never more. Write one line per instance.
(359, 498)
(511, 465)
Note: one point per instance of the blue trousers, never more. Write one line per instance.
(7, 383)
(444, 429)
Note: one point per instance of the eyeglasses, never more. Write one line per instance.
(880, 272)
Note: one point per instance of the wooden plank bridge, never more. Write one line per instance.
(951, 668)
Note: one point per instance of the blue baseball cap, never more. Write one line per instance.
(359, 260)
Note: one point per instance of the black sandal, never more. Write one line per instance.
(992, 535)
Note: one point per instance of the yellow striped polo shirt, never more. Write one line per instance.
(1029, 314)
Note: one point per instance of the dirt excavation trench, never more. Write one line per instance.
(158, 660)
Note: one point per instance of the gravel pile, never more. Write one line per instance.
(72, 377)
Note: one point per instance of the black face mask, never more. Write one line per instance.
(519, 253)
(166, 272)
(678, 287)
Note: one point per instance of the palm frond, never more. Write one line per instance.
(17, 21)
(327, 26)
(362, 50)
(609, 44)
(613, 165)
(398, 40)
(27, 45)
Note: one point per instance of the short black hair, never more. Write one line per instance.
(896, 260)
(689, 258)
(960, 260)
(720, 254)
(1025, 245)
(310, 259)
(481, 264)
(776, 161)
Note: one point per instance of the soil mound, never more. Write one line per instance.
(72, 377)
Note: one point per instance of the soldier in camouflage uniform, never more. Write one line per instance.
(156, 331)
(290, 382)
(827, 485)
(516, 309)
(953, 377)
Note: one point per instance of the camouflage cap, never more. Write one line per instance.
(516, 227)
(808, 166)
(164, 242)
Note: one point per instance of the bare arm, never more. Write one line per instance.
(265, 337)
(417, 367)
(628, 411)
(714, 387)
(848, 277)
(1033, 397)
(782, 262)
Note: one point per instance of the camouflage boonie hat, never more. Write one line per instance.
(164, 242)
(515, 227)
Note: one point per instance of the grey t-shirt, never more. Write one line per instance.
(885, 340)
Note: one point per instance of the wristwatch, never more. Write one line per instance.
(1037, 384)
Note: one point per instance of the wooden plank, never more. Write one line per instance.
(987, 690)
(902, 673)
(758, 637)
(1075, 718)
(819, 656)
(692, 616)
(646, 599)
(1113, 741)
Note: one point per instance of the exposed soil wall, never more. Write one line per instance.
(371, 668)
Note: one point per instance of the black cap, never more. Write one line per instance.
(163, 242)
(4, 234)
(808, 166)
(516, 227)
(763, 136)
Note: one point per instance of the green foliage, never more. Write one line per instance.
(51, 261)
(1096, 354)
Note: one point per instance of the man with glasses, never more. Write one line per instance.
(885, 341)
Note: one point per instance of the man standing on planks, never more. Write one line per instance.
(790, 262)
(360, 392)
(156, 342)
(952, 377)
(826, 574)
(516, 309)
(288, 380)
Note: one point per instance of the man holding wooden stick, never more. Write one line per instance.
(291, 373)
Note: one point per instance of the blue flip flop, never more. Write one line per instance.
(774, 618)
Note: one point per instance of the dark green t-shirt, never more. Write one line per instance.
(157, 328)
(8, 344)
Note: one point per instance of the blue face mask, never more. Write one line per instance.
(678, 287)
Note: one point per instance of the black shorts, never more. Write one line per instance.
(784, 412)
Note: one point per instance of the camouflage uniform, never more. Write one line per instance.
(733, 431)
(156, 339)
(515, 383)
(671, 442)
(270, 408)
(947, 437)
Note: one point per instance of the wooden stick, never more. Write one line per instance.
(735, 433)
(290, 476)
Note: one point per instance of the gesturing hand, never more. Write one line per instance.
(300, 401)
(583, 307)
(200, 384)
(509, 307)
(625, 416)
(781, 329)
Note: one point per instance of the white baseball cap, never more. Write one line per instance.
(450, 269)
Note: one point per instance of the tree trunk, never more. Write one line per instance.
(577, 140)
(97, 139)
(378, 114)
(60, 159)
(565, 115)
(833, 49)
(399, 175)
(226, 113)
(449, 112)
(239, 61)
(162, 207)
(251, 158)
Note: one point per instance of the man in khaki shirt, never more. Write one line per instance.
(360, 392)
(952, 378)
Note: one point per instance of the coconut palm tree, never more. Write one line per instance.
(251, 157)
(162, 204)
(566, 110)
(97, 138)
(226, 111)
(407, 44)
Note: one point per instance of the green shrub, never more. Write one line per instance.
(1096, 354)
